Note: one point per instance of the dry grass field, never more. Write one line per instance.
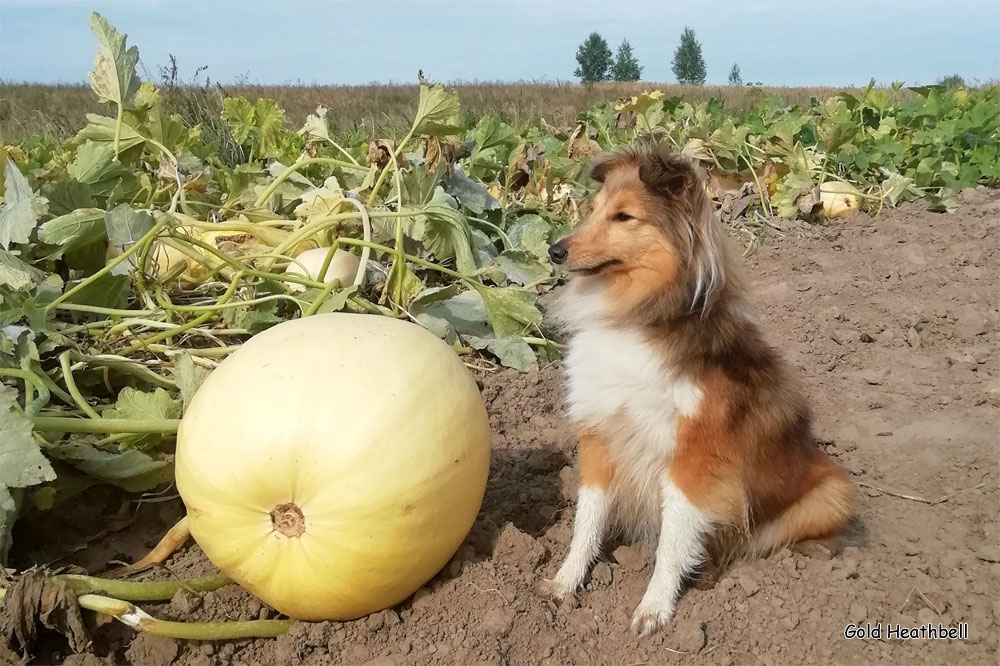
(58, 110)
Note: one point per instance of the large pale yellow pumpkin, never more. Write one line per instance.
(335, 463)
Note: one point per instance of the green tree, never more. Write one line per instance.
(594, 59)
(689, 66)
(626, 67)
(952, 81)
(735, 79)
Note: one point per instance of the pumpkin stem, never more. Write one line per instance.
(288, 519)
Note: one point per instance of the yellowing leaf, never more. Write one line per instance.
(239, 113)
(270, 121)
(114, 78)
(437, 111)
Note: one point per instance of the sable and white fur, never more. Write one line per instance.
(690, 425)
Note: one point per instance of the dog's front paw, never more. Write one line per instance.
(649, 619)
(553, 590)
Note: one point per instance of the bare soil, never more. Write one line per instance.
(893, 324)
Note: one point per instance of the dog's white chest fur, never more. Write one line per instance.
(620, 386)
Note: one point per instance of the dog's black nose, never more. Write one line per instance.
(558, 252)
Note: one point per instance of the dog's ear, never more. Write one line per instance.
(667, 173)
(602, 165)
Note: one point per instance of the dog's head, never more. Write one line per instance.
(650, 238)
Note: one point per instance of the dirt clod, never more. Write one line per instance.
(631, 558)
(150, 650)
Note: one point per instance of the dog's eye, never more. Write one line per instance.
(622, 216)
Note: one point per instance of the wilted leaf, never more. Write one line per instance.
(130, 469)
(17, 274)
(35, 599)
(447, 233)
(189, 377)
(21, 207)
(512, 352)
(895, 186)
(114, 78)
(140, 405)
(315, 127)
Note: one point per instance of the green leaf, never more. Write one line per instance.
(17, 274)
(491, 132)
(447, 312)
(511, 311)
(446, 232)
(21, 461)
(512, 352)
(402, 284)
(95, 163)
(531, 233)
(839, 135)
(66, 196)
(114, 78)
(471, 194)
(139, 405)
(254, 319)
(102, 129)
(437, 111)
(107, 291)
(189, 377)
(522, 267)
(124, 227)
(74, 230)
(21, 207)
(131, 470)
(239, 113)
(337, 301)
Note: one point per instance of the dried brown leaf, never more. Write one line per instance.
(37, 599)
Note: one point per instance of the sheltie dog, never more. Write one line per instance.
(690, 426)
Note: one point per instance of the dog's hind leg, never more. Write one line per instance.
(820, 513)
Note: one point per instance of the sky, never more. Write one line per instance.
(790, 42)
